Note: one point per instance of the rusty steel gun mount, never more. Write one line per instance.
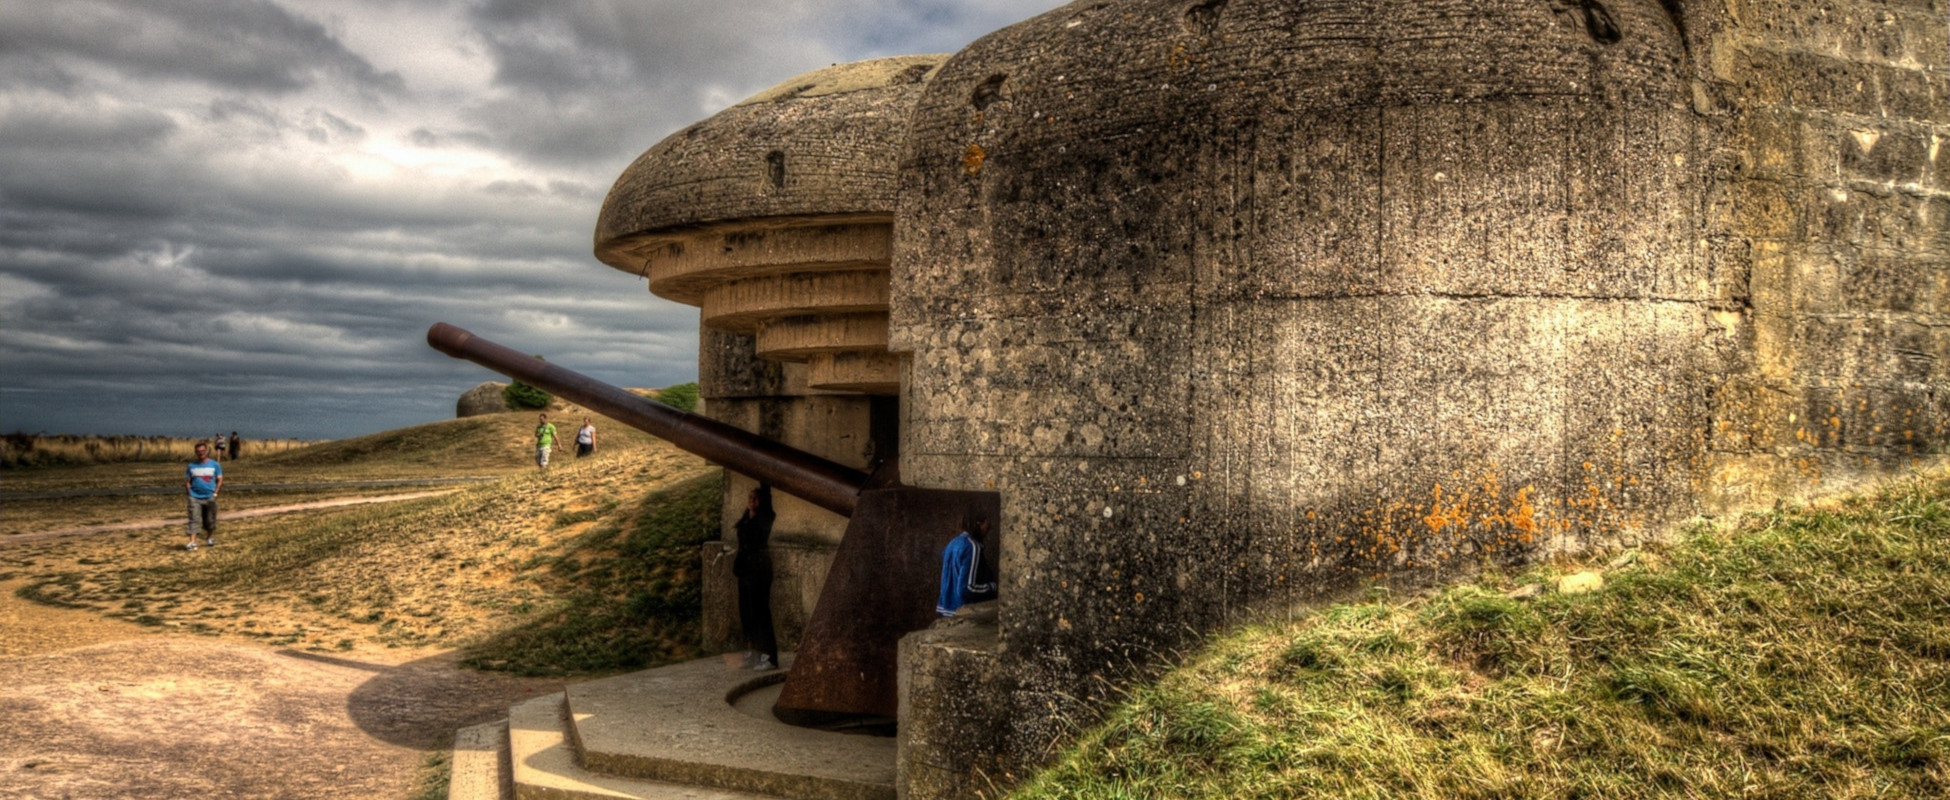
(885, 575)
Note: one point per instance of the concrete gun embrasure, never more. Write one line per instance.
(883, 581)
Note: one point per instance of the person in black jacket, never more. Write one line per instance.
(753, 568)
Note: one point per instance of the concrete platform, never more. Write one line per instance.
(544, 763)
(480, 769)
(696, 731)
(684, 724)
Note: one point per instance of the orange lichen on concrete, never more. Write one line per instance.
(1450, 523)
(971, 160)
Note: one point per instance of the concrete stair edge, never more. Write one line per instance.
(480, 769)
(545, 766)
(702, 740)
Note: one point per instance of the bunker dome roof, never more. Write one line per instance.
(824, 144)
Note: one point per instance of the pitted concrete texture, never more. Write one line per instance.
(544, 765)
(854, 77)
(870, 372)
(679, 724)
(798, 337)
(740, 305)
(1245, 301)
(1241, 302)
(684, 263)
(480, 769)
(780, 154)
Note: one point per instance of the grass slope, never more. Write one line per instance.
(503, 564)
(1805, 653)
(487, 445)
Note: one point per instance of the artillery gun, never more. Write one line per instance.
(883, 581)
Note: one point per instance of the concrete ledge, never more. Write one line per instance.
(740, 306)
(678, 724)
(479, 770)
(873, 373)
(545, 768)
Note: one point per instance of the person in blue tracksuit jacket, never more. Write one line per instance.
(961, 560)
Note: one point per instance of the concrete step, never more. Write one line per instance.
(706, 723)
(544, 766)
(480, 769)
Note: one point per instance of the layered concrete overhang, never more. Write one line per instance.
(775, 218)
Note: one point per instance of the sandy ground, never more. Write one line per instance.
(95, 708)
(163, 522)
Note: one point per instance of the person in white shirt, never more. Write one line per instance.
(586, 438)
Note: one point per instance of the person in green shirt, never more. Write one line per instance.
(544, 441)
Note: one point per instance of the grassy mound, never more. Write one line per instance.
(597, 558)
(1805, 653)
(628, 589)
(486, 444)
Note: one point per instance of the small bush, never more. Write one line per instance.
(522, 396)
(683, 396)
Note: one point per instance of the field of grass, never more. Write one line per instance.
(483, 446)
(587, 568)
(30, 450)
(1799, 653)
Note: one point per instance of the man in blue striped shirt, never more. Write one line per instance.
(203, 478)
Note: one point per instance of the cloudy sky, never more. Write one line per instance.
(244, 214)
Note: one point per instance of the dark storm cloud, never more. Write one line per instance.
(604, 73)
(220, 214)
(234, 44)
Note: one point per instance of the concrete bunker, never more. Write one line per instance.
(1237, 303)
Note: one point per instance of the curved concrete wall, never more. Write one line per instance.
(1245, 301)
(1240, 302)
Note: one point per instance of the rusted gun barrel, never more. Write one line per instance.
(831, 486)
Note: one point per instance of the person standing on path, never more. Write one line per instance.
(753, 567)
(236, 446)
(203, 478)
(544, 441)
(586, 438)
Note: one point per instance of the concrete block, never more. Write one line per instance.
(481, 769)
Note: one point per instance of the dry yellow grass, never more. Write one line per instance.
(19, 450)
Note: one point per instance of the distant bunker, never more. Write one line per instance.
(1239, 303)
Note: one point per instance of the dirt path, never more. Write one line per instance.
(305, 486)
(230, 515)
(94, 708)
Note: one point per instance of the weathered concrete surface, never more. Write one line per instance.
(678, 723)
(1236, 302)
(1828, 216)
(481, 769)
(950, 676)
(483, 399)
(544, 765)
(774, 217)
(1239, 302)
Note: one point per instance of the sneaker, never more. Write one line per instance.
(190, 546)
(210, 542)
(763, 663)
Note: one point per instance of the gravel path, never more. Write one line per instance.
(177, 488)
(95, 708)
(226, 515)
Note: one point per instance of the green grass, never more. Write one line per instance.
(630, 592)
(1803, 653)
(435, 776)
